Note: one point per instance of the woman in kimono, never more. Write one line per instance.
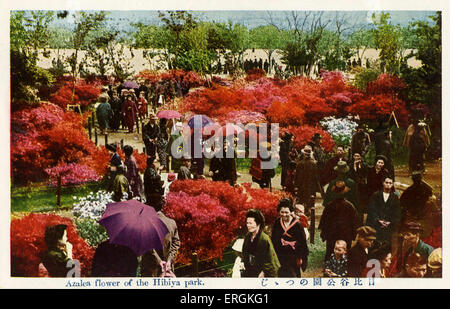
(260, 259)
(289, 241)
(132, 172)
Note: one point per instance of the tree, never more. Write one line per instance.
(268, 38)
(302, 53)
(155, 42)
(84, 24)
(230, 41)
(28, 38)
(425, 83)
(387, 41)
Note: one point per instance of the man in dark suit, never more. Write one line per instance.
(358, 254)
(384, 212)
(306, 179)
(339, 219)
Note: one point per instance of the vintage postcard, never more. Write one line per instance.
(202, 144)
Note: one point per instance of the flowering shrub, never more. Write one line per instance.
(255, 74)
(91, 231)
(286, 114)
(193, 215)
(190, 78)
(92, 206)
(84, 95)
(303, 135)
(340, 129)
(45, 137)
(28, 245)
(379, 106)
(209, 214)
(242, 116)
(72, 174)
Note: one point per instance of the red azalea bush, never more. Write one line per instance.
(190, 78)
(378, 106)
(381, 98)
(286, 114)
(28, 245)
(194, 215)
(84, 95)
(255, 74)
(209, 214)
(242, 116)
(303, 135)
(47, 136)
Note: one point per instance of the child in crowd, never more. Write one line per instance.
(299, 214)
(336, 265)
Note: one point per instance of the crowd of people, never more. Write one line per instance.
(370, 226)
(121, 107)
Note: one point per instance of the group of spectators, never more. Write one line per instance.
(122, 107)
(365, 217)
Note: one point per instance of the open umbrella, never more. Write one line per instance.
(169, 114)
(135, 225)
(130, 85)
(202, 121)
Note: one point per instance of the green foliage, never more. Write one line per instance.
(335, 50)
(91, 231)
(29, 31)
(26, 77)
(269, 38)
(28, 35)
(60, 38)
(425, 83)
(387, 40)
(365, 76)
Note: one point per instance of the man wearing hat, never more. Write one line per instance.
(415, 197)
(150, 133)
(410, 242)
(328, 172)
(306, 181)
(286, 145)
(360, 142)
(104, 113)
(153, 185)
(351, 195)
(318, 151)
(358, 255)
(116, 106)
(339, 219)
(185, 172)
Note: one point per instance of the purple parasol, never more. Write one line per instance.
(169, 114)
(134, 225)
(130, 85)
(199, 121)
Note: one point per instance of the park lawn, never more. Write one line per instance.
(42, 198)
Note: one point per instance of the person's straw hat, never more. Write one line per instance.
(342, 167)
(435, 259)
